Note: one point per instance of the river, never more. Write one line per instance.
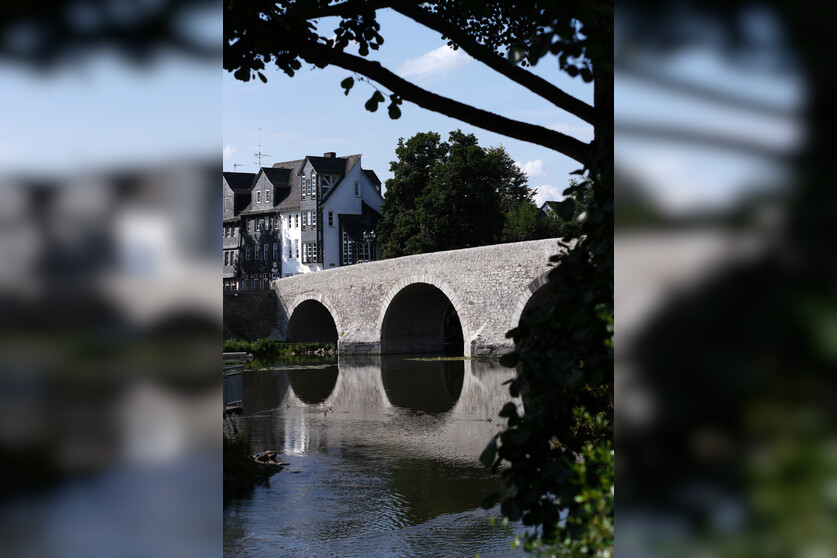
(393, 470)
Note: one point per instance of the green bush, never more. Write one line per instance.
(263, 347)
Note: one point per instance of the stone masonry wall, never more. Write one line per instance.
(488, 286)
(252, 315)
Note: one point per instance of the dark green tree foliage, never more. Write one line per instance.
(448, 195)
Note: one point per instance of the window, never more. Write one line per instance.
(304, 220)
(267, 223)
(275, 250)
(235, 231)
(258, 253)
(226, 258)
(260, 224)
(314, 185)
(247, 253)
(316, 251)
(259, 196)
(314, 220)
(348, 249)
(290, 251)
(249, 225)
(266, 251)
(330, 218)
(309, 251)
(357, 188)
(296, 220)
(226, 204)
(267, 195)
(296, 248)
(302, 186)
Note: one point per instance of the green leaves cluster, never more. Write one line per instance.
(564, 358)
(266, 346)
(454, 194)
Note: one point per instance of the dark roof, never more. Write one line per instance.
(240, 182)
(370, 174)
(332, 165)
(355, 225)
(277, 176)
(551, 205)
(287, 196)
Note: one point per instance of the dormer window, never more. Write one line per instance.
(259, 196)
(267, 195)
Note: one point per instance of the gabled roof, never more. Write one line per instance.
(370, 174)
(550, 206)
(287, 195)
(276, 176)
(355, 225)
(286, 188)
(240, 182)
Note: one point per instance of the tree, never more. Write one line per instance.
(563, 352)
(447, 195)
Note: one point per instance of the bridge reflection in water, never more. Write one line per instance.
(392, 471)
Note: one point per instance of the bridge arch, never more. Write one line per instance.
(413, 313)
(531, 296)
(311, 317)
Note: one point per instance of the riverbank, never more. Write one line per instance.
(272, 347)
(242, 472)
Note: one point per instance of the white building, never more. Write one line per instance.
(307, 215)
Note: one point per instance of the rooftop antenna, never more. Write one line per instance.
(260, 154)
(235, 165)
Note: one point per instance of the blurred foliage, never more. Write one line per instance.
(46, 33)
(564, 357)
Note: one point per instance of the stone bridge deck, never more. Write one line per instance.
(399, 305)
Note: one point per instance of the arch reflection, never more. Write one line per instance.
(423, 386)
(313, 386)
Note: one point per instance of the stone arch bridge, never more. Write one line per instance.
(401, 305)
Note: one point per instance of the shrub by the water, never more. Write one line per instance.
(274, 347)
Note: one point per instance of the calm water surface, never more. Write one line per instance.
(392, 471)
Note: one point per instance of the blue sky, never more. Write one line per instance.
(309, 113)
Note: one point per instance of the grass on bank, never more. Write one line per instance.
(267, 347)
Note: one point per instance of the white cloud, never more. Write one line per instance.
(545, 192)
(532, 168)
(228, 151)
(441, 61)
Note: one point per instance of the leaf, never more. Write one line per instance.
(566, 208)
(488, 454)
(394, 111)
(373, 102)
(347, 84)
(491, 500)
(261, 77)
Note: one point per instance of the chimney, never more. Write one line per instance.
(330, 154)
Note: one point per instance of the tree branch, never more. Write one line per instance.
(487, 56)
(704, 93)
(710, 140)
(318, 53)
